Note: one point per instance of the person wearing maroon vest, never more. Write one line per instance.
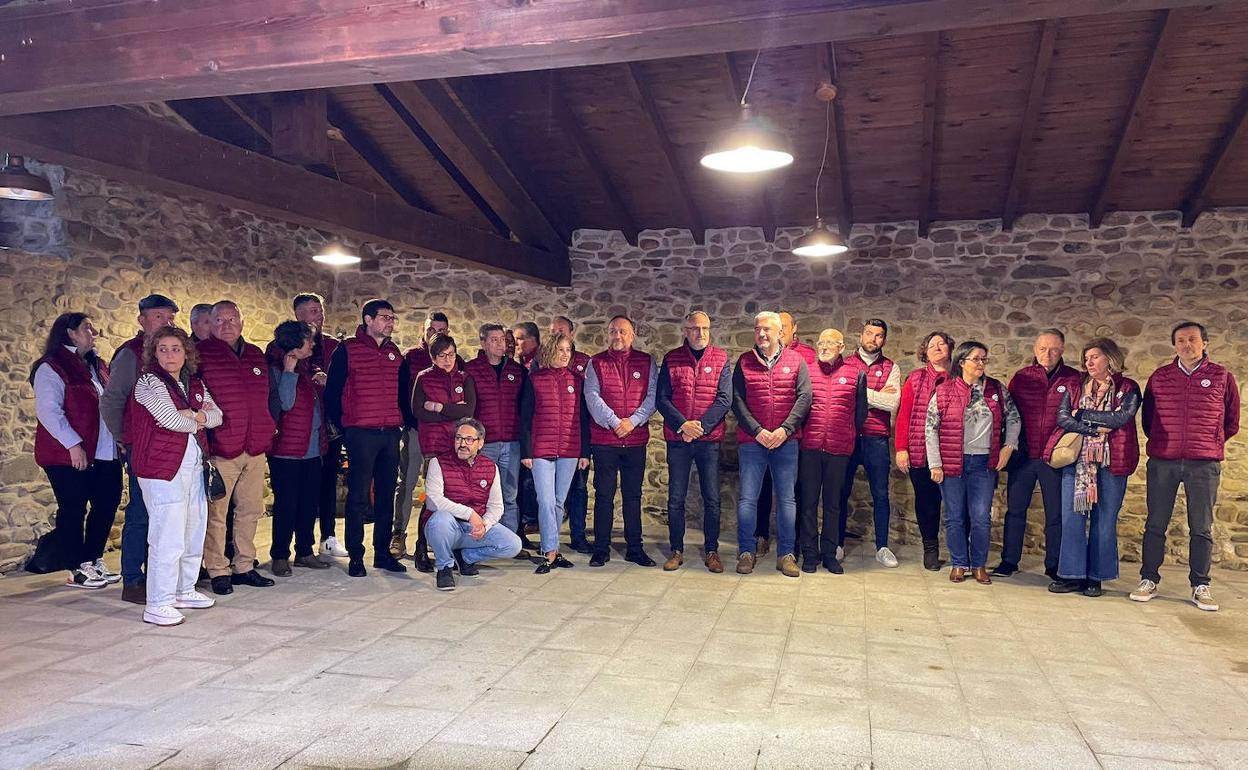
(871, 449)
(201, 321)
(237, 373)
(156, 311)
(577, 503)
(619, 393)
(362, 397)
(970, 431)
(838, 409)
(788, 335)
(916, 394)
(1191, 409)
(309, 307)
(1037, 390)
(75, 448)
(771, 399)
(528, 340)
(1103, 412)
(465, 500)
(694, 393)
(498, 383)
(170, 410)
(295, 402)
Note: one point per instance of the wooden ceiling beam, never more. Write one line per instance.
(300, 127)
(1198, 198)
(247, 118)
(639, 91)
(838, 153)
(1165, 27)
(362, 145)
(96, 52)
(927, 165)
(168, 159)
(737, 89)
(1031, 118)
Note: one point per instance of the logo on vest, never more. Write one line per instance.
(1061, 388)
(1205, 383)
(511, 378)
(255, 370)
(995, 397)
(580, 367)
(879, 372)
(636, 375)
(459, 388)
(391, 356)
(484, 483)
(199, 396)
(841, 380)
(707, 369)
(571, 389)
(1121, 393)
(786, 370)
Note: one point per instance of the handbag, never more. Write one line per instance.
(1066, 451)
(214, 485)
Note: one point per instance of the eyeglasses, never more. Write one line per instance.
(466, 439)
(386, 317)
(445, 355)
(977, 360)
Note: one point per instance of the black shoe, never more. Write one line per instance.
(465, 569)
(561, 562)
(581, 546)
(527, 545)
(833, 565)
(599, 559)
(1063, 586)
(355, 568)
(281, 567)
(810, 566)
(251, 578)
(422, 560)
(388, 563)
(543, 568)
(203, 575)
(1005, 569)
(523, 554)
(1093, 589)
(640, 559)
(931, 556)
(222, 585)
(136, 593)
(1051, 574)
(446, 580)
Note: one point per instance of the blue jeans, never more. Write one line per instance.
(506, 455)
(681, 457)
(968, 499)
(446, 534)
(551, 480)
(1090, 540)
(782, 463)
(133, 533)
(870, 452)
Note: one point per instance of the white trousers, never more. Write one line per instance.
(177, 513)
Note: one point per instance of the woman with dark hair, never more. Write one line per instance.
(75, 448)
(971, 430)
(300, 443)
(1094, 484)
(934, 355)
(166, 423)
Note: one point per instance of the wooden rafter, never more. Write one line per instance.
(1031, 118)
(635, 83)
(838, 154)
(371, 154)
(1131, 122)
(1198, 199)
(737, 88)
(235, 107)
(927, 166)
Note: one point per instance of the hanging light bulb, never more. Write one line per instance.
(751, 144)
(820, 241)
(335, 254)
(16, 183)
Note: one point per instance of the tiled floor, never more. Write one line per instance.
(629, 667)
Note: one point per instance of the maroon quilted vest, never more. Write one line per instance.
(808, 354)
(240, 387)
(81, 406)
(156, 452)
(467, 484)
(418, 359)
(1186, 414)
(694, 385)
(922, 382)
(878, 421)
(498, 398)
(834, 401)
(441, 387)
(623, 380)
(294, 427)
(769, 393)
(952, 397)
(579, 363)
(1124, 443)
(370, 398)
(1038, 398)
(556, 428)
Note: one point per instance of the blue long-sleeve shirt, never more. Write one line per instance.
(605, 415)
(718, 410)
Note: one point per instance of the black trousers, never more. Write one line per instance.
(623, 468)
(98, 486)
(926, 503)
(296, 489)
(1020, 486)
(820, 477)
(373, 457)
(1200, 480)
(762, 525)
(327, 503)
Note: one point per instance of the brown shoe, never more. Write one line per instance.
(677, 559)
(981, 576)
(764, 546)
(135, 593)
(281, 567)
(957, 574)
(745, 563)
(311, 562)
(712, 562)
(398, 544)
(787, 565)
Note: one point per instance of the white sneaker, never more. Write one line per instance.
(331, 547)
(1202, 597)
(885, 557)
(162, 616)
(840, 553)
(1145, 591)
(85, 577)
(103, 571)
(193, 600)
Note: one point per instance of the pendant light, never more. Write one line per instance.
(16, 183)
(751, 144)
(820, 241)
(335, 254)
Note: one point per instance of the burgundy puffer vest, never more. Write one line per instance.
(808, 354)
(240, 387)
(135, 346)
(441, 387)
(579, 363)
(556, 428)
(418, 359)
(1187, 414)
(156, 452)
(81, 407)
(370, 399)
(922, 382)
(467, 484)
(952, 397)
(834, 401)
(694, 385)
(769, 393)
(623, 381)
(322, 354)
(878, 421)
(1124, 443)
(498, 398)
(1038, 398)
(294, 427)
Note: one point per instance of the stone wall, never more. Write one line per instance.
(1131, 279)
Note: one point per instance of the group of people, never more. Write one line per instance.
(509, 435)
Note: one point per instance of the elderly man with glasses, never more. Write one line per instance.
(465, 494)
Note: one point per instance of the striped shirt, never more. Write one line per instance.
(151, 392)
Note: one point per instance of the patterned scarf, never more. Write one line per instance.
(1094, 452)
